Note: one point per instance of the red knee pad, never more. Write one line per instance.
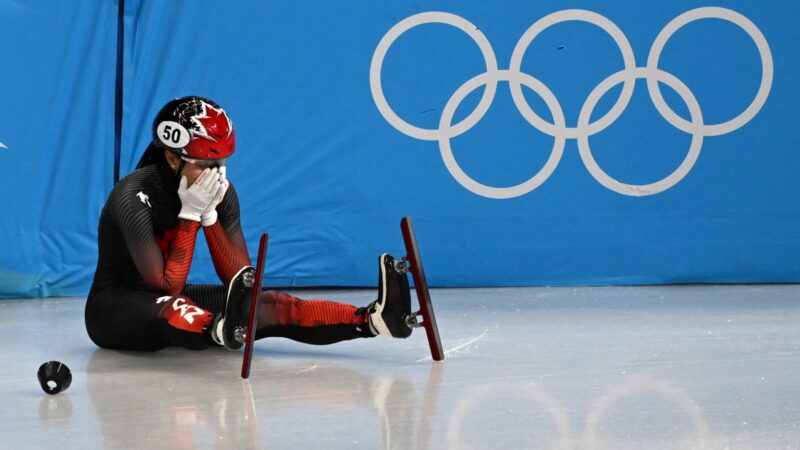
(181, 313)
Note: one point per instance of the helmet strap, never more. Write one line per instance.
(180, 169)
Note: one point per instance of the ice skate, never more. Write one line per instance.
(390, 314)
(230, 327)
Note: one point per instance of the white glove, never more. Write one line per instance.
(196, 198)
(209, 216)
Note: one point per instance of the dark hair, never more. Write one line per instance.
(152, 155)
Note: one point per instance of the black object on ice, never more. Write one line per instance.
(54, 376)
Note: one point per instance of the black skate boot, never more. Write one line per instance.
(389, 314)
(230, 327)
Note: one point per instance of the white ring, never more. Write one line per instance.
(522, 46)
(766, 68)
(524, 187)
(377, 64)
(584, 128)
(530, 391)
(637, 386)
(695, 129)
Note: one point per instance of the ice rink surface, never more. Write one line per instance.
(670, 367)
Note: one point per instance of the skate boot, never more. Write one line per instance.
(230, 326)
(389, 315)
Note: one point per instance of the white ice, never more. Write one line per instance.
(676, 367)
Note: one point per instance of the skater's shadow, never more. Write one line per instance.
(183, 399)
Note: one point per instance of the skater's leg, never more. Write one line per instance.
(279, 314)
(323, 322)
(127, 319)
(318, 322)
(210, 297)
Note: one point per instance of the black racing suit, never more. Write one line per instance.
(139, 298)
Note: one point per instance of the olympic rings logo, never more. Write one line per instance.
(585, 128)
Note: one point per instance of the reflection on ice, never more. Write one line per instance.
(678, 367)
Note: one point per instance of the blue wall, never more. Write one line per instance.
(324, 168)
(56, 124)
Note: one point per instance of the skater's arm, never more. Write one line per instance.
(225, 239)
(163, 272)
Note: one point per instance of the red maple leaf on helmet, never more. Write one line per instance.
(212, 123)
